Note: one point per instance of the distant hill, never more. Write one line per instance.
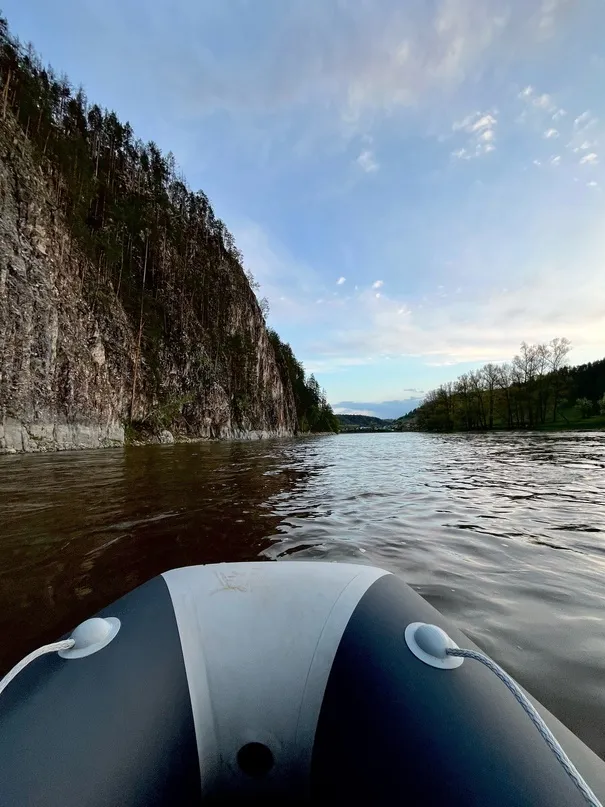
(386, 410)
(363, 423)
(406, 423)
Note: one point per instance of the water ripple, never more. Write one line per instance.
(503, 533)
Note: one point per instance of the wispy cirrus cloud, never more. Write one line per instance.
(352, 61)
(367, 161)
(480, 131)
(580, 133)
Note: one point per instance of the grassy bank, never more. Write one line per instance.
(574, 421)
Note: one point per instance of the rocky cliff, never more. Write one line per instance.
(172, 341)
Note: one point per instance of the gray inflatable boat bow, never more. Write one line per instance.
(290, 683)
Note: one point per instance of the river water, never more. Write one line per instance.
(504, 533)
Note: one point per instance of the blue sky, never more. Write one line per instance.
(418, 186)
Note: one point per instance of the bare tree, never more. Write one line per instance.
(462, 389)
(516, 387)
(542, 363)
(491, 377)
(559, 348)
(504, 382)
(476, 388)
(525, 364)
(254, 284)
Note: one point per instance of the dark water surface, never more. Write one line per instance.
(505, 534)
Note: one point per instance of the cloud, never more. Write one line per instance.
(352, 62)
(367, 162)
(583, 120)
(481, 130)
(587, 144)
(546, 16)
(488, 327)
(540, 103)
(475, 122)
(579, 134)
(545, 102)
(585, 133)
(346, 410)
(376, 61)
(589, 159)
(377, 284)
(340, 281)
(592, 184)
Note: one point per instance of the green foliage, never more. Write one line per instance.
(166, 413)
(131, 433)
(313, 412)
(601, 403)
(531, 392)
(150, 241)
(586, 406)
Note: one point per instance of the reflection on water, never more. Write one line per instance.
(80, 529)
(503, 533)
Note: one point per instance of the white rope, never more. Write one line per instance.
(530, 711)
(41, 651)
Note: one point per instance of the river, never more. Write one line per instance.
(504, 533)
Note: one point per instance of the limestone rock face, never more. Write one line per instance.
(68, 348)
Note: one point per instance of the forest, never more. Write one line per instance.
(537, 389)
(313, 411)
(155, 243)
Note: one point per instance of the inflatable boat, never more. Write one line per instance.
(279, 683)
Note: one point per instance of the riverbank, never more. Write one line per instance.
(166, 437)
(595, 423)
(49, 439)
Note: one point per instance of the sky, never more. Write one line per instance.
(418, 185)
